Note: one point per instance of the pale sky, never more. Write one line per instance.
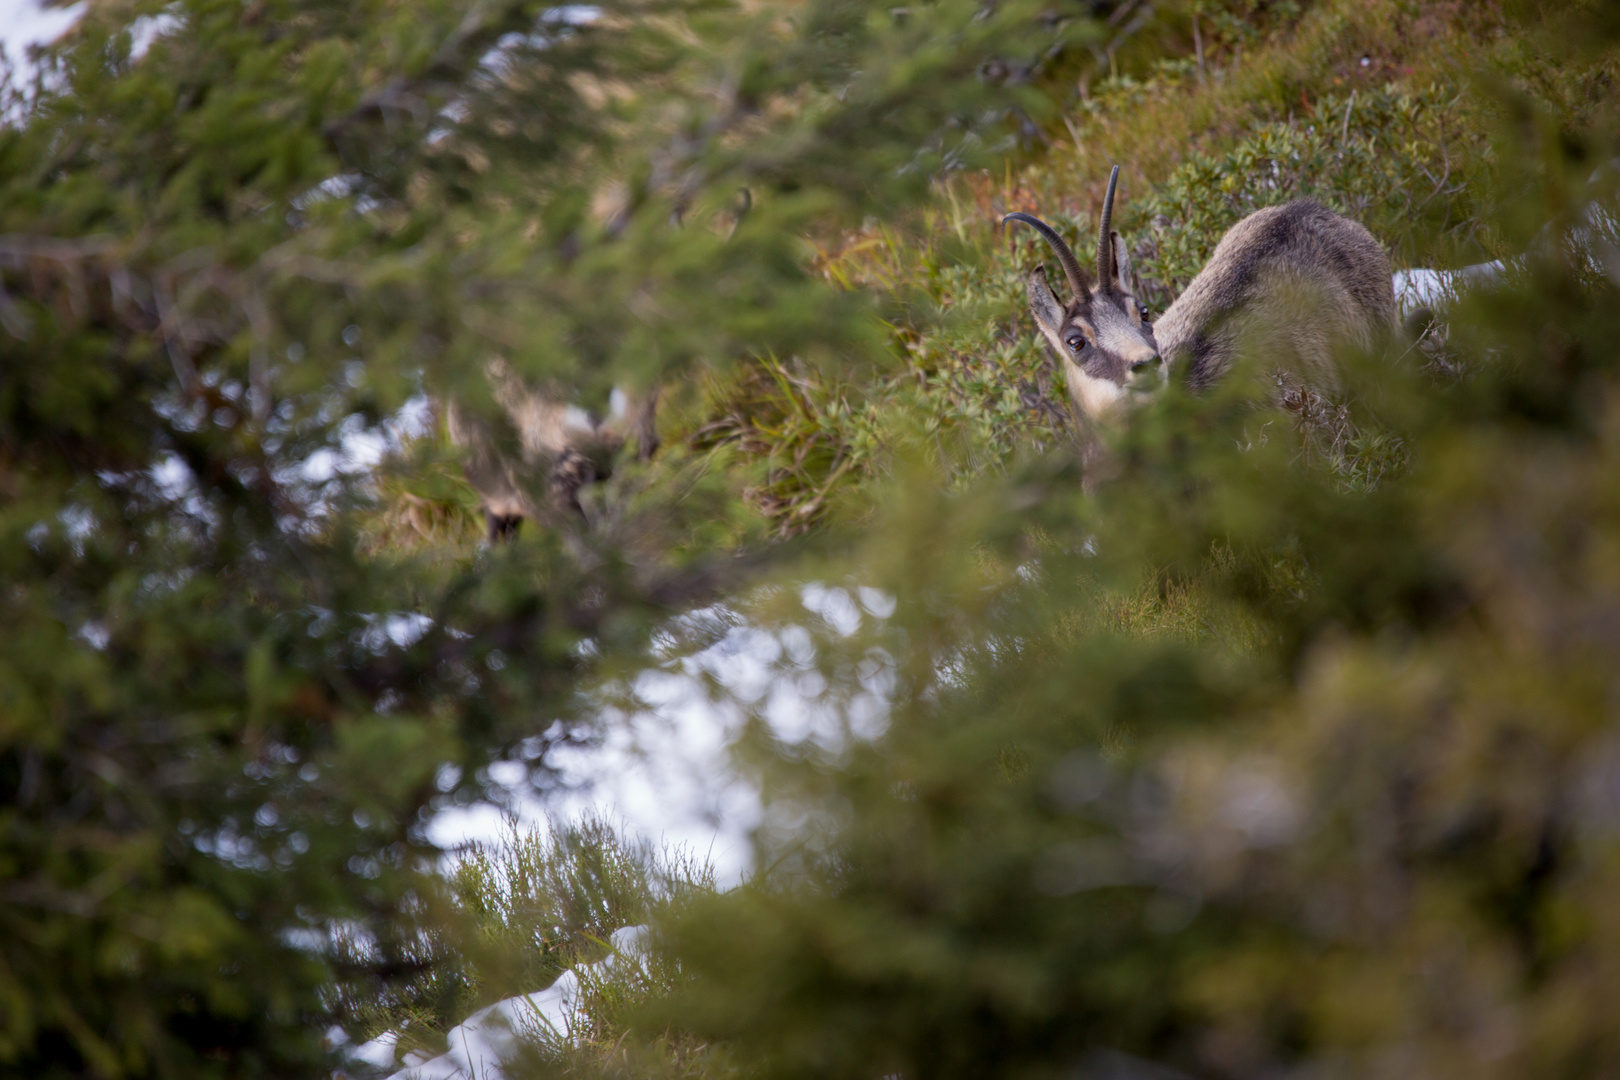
(25, 22)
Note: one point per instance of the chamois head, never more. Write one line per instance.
(1102, 334)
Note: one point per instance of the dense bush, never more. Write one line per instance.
(532, 904)
(1231, 768)
(228, 702)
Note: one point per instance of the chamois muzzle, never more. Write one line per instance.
(1145, 375)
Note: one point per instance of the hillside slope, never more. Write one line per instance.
(1290, 700)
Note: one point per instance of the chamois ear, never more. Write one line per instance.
(1124, 274)
(1043, 302)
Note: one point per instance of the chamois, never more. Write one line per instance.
(539, 442)
(1297, 279)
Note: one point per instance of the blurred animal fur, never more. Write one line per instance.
(531, 458)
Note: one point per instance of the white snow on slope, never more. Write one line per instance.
(483, 1045)
(1436, 288)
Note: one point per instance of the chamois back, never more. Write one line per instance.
(1295, 280)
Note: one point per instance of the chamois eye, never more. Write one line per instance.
(1076, 342)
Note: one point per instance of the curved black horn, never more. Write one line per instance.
(1071, 265)
(1105, 273)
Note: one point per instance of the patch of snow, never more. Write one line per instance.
(148, 28)
(1421, 288)
(379, 1052)
(481, 1046)
(1591, 242)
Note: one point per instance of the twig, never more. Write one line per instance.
(21, 246)
(1198, 48)
(1445, 156)
(14, 318)
(1119, 14)
(1074, 133)
(260, 323)
(399, 93)
(185, 369)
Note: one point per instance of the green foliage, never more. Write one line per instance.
(1267, 754)
(1394, 175)
(1229, 768)
(525, 910)
(1403, 148)
(229, 693)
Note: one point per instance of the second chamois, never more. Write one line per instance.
(529, 455)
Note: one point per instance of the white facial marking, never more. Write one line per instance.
(1097, 397)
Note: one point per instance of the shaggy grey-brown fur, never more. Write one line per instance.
(533, 456)
(1296, 281)
(1293, 283)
